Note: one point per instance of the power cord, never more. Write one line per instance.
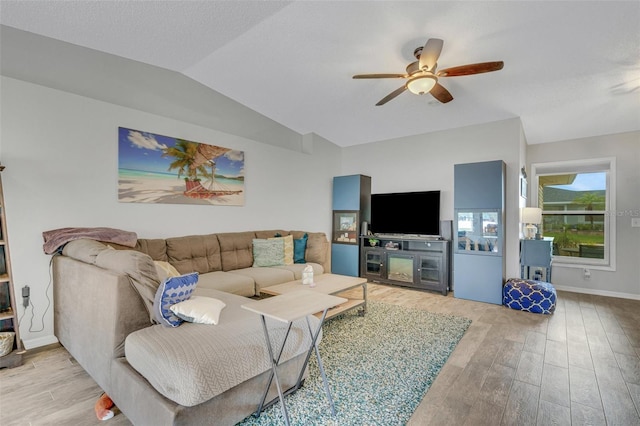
(33, 307)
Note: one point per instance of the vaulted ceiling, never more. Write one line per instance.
(571, 69)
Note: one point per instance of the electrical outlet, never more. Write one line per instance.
(25, 296)
(587, 274)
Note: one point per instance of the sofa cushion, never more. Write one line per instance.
(155, 248)
(268, 252)
(140, 270)
(317, 246)
(199, 310)
(173, 290)
(236, 250)
(264, 277)
(194, 363)
(194, 253)
(225, 281)
(84, 250)
(271, 233)
(297, 269)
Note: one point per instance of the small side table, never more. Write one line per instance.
(535, 259)
(287, 308)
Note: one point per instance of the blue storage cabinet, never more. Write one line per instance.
(478, 249)
(351, 206)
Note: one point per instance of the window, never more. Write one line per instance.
(575, 198)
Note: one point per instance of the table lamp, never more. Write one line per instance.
(531, 216)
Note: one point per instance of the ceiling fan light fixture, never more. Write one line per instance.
(422, 84)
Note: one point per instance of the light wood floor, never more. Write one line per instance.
(579, 366)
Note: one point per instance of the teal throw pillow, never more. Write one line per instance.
(268, 252)
(299, 247)
(173, 290)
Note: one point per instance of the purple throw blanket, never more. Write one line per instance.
(58, 237)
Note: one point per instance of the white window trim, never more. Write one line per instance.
(594, 164)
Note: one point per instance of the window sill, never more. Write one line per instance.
(581, 264)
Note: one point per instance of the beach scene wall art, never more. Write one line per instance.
(166, 170)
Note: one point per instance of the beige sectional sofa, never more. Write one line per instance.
(194, 374)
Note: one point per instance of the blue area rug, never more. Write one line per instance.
(379, 367)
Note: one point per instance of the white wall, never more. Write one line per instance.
(60, 153)
(425, 162)
(625, 147)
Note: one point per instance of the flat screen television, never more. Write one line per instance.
(410, 213)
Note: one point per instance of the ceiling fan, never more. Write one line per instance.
(422, 76)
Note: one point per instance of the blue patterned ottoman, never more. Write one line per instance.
(538, 297)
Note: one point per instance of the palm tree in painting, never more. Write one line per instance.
(192, 160)
(185, 154)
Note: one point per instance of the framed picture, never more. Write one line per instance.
(348, 223)
(154, 168)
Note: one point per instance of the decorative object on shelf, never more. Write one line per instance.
(364, 229)
(531, 217)
(373, 242)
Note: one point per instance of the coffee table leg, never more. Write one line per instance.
(364, 296)
(274, 369)
(314, 347)
(321, 367)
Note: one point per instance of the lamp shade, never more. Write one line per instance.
(422, 84)
(531, 215)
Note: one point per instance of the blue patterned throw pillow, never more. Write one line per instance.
(173, 290)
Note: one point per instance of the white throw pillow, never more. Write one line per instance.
(199, 309)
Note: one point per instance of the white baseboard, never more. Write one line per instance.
(597, 292)
(41, 341)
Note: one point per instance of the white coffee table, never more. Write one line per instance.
(333, 284)
(287, 308)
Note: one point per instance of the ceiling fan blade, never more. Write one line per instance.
(391, 95)
(379, 76)
(430, 53)
(441, 94)
(471, 69)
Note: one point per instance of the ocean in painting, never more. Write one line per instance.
(139, 186)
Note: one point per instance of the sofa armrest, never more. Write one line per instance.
(94, 311)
